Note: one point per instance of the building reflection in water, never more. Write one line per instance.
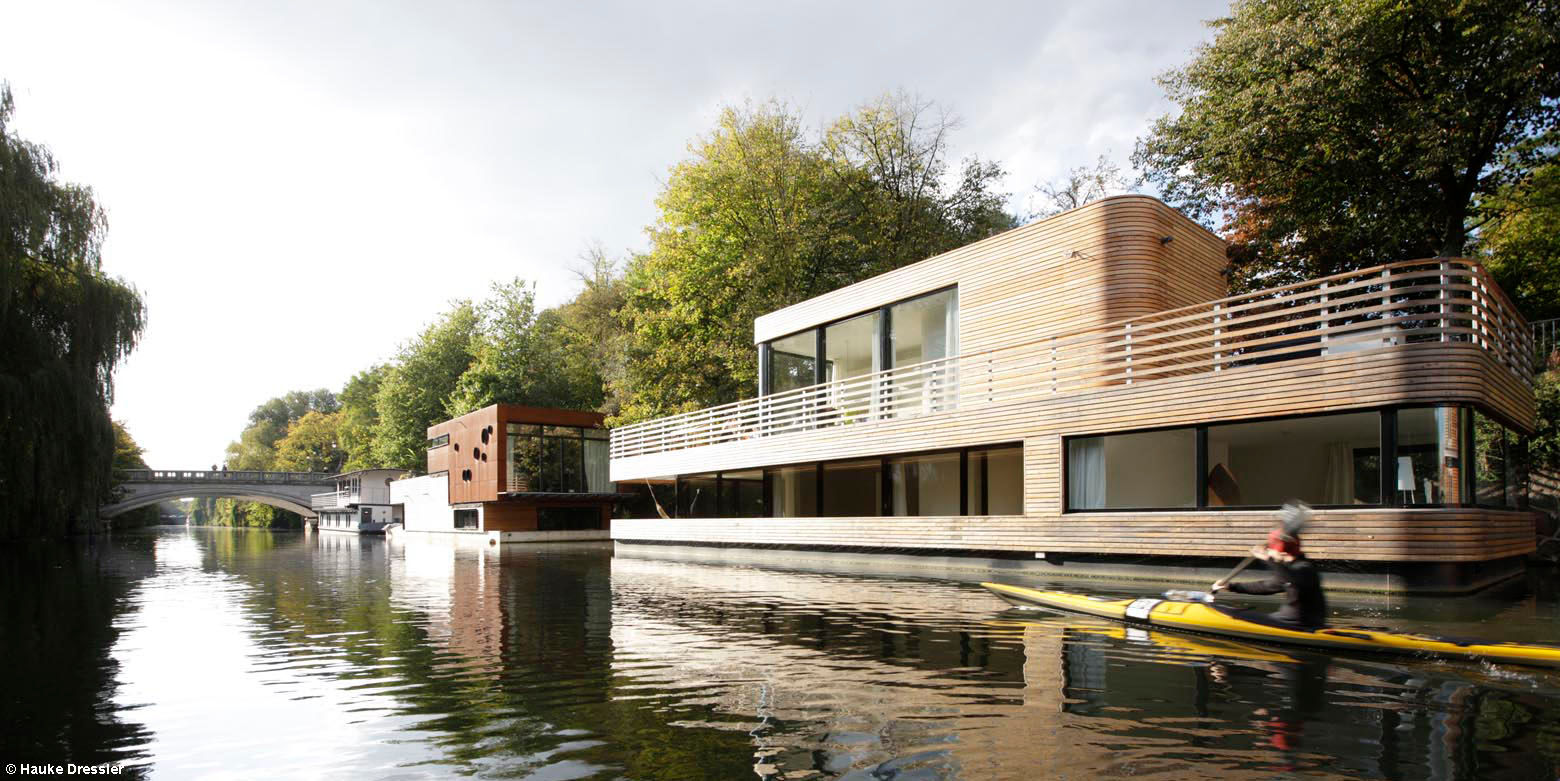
(830, 674)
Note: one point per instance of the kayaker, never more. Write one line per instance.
(1293, 575)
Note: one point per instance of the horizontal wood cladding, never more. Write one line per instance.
(1102, 262)
(1440, 372)
(1429, 535)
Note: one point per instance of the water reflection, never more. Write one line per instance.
(214, 652)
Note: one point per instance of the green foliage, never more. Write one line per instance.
(1521, 245)
(64, 326)
(1340, 134)
(359, 416)
(761, 216)
(1544, 445)
(413, 392)
(520, 358)
(128, 455)
(312, 444)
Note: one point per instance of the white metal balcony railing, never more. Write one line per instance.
(331, 500)
(1435, 300)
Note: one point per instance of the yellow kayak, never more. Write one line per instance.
(1252, 625)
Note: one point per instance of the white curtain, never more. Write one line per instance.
(1086, 474)
(1340, 474)
(596, 466)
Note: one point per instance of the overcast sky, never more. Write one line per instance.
(299, 187)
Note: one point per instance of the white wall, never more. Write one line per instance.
(425, 504)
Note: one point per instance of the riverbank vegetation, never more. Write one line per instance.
(64, 326)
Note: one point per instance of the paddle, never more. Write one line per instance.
(1295, 515)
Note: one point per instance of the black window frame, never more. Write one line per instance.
(1386, 444)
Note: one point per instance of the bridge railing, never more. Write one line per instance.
(219, 476)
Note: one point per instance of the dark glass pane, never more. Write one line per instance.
(1427, 470)
(795, 491)
(742, 494)
(560, 519)
(525, 463)
(572, 465)
(1489, 439)
(696, 496)
(792, 361)
(853, 488)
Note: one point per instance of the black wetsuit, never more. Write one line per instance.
(1301, 583)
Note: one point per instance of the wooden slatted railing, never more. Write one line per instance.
(1435, 300)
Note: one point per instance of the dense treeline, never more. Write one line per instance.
(64, 326)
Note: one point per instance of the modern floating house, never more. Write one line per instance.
(514, 474)
(1081, 395)
(360, 504)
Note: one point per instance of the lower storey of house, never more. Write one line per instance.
(358, 519)
(515, 520)
(1440, 550)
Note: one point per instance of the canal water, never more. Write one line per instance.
(251, 654)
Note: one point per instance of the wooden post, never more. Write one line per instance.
(1326, 320)
(1218, 355)
(1128, 330)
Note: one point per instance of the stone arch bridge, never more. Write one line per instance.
(287, 490)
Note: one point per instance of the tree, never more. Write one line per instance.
(761, 216)
(128, 455)
(518, 358)
(64, 327)
(359, 416)
(1081, 185)
(591, 332)
(1339, 134)
(1521, 244)
(413, 393)
(312, 444)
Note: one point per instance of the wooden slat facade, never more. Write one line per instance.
(1084, 271)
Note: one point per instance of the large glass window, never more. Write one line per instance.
(742, 494)
(792, 362)
(925, 485)
(556, 459)
(853, 488)
(919, 330)
(793, 491)
(925, 328)
(996, 481)
(560, 519)
(1427, 469)
(1151, 469)
(696, 496)
(1332, 459)
(1500, 473)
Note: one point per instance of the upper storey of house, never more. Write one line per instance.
(1118, 304)
(514, 449)
(1107, 261)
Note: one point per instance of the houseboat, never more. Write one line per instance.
(1082, 395)
(360, 504)
(513, 474)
